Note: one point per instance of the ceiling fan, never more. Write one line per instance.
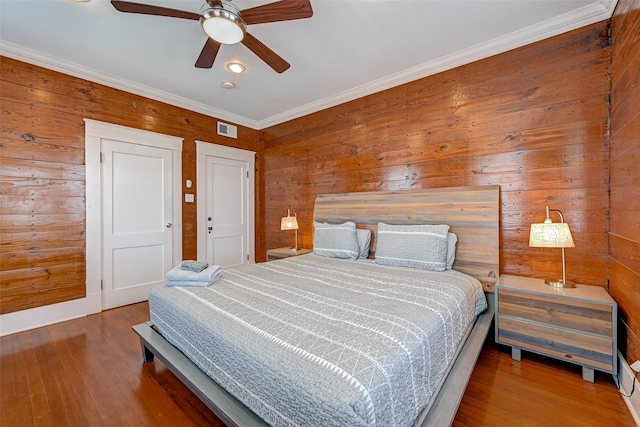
(224, 23)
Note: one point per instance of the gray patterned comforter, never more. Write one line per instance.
(314, 341)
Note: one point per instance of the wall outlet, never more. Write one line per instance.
(636, 366)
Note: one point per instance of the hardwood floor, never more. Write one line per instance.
(537, 391)
(89, 372)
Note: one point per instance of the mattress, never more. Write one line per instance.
(310, 340)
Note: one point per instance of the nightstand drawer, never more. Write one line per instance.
(586, 349)
(581, 315)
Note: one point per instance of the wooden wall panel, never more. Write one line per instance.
(42, 175)
(533, 120)
(624, 238)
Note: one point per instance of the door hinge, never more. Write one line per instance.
(101, 284)
(100, 157)
(247, 174)
(247, 257)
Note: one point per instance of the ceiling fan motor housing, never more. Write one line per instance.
(223, 22)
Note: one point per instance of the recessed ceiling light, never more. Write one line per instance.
(236, 67)
(228, 85)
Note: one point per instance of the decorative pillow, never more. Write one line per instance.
(335, 240)
(364, 242)
(452, 239)
(417, 246)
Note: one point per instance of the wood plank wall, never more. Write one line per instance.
(624, 233)
(42, 173)
(533, 120)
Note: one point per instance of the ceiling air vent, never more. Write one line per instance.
(227, 130)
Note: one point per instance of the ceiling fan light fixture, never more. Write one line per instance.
(223, 24)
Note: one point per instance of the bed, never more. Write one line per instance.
(316, 340)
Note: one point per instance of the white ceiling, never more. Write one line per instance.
(348, 49)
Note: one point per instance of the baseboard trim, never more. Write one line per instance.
(626, 377)
(32, 318)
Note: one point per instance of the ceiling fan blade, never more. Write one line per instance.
(147, 9)
(267, 55)
(208, 54)
(284, 10)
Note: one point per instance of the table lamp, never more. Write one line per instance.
(290, 223)
(553, 235)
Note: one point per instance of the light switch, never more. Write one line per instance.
(189, 198)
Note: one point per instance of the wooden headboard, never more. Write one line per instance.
(471, 212)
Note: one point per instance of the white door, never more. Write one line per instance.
(137, 221)
(225, 204)
(226, 212)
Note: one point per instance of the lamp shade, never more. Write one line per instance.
(550, 235)
(289, 222)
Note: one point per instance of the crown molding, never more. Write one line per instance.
(21, 53)
(586, 15)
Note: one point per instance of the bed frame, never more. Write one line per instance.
(471, 212)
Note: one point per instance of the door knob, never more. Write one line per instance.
(169, 225)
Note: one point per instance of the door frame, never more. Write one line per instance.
(207, 149)
(95, 132)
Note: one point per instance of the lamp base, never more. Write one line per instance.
(293, 249)
(560, 283)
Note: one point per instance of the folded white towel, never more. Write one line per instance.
(188, 283)
(206, 275)
(199, 283)
(192, 265)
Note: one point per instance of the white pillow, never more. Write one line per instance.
(364, 242)
(452, 239)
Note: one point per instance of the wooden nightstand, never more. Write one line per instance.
(279, 253)
(577, 325)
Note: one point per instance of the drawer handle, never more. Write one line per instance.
(550, 342)
(568, 356)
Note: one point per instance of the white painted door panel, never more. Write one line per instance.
(137, 220)
(226, 213)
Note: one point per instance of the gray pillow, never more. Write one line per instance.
(335, 240)
(417, 246)
(452, 239)
(364, 242)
